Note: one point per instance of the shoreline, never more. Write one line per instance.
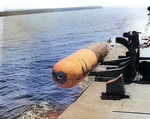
(37, 11)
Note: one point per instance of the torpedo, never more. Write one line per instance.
(72, 69)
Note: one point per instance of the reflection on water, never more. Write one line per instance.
(1, 41)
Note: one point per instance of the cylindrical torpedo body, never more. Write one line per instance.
(73, 68)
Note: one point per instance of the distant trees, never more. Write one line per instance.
(35, 11)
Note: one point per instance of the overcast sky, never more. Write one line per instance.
(25, 4)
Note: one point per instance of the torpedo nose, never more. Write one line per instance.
(59, 77)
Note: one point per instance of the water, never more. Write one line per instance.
(30, 45)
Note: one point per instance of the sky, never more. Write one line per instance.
(26, 4)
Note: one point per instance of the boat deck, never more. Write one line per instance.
(90, 106)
